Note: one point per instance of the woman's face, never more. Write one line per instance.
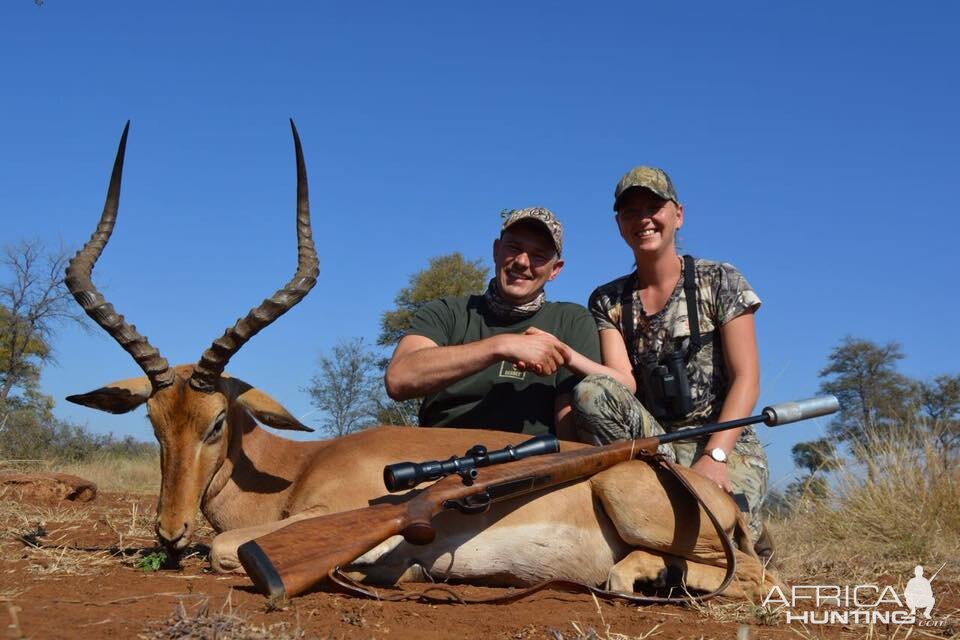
(648, 223)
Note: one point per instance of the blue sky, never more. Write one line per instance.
(814, 146)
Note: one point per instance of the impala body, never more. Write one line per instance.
(620, 527)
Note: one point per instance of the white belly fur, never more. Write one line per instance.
(511, 545)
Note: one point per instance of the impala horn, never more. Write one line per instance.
(211, 364)
(81, 286)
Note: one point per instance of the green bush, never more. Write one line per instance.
(30, 431)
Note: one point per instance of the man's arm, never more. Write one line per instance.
(420, 367)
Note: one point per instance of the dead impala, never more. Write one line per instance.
(620, 527)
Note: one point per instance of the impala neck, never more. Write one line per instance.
(253, 483)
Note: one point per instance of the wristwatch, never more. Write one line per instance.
(718, 454)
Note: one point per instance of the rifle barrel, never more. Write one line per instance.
(773, 416)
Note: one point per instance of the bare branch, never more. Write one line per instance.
(33, 303)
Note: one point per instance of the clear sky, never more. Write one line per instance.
(814, 146)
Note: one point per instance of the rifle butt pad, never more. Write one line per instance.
(261, 570)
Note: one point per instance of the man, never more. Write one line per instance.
(507, 359)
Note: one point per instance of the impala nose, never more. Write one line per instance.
(176, 540)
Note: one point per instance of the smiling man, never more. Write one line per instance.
(507, 359)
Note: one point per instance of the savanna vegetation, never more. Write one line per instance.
(34, 304)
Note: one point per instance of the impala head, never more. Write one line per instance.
(191, 407)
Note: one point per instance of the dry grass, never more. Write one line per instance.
(45, 534)
(225, 624)
(582, 632)
(740, 611)
(900, 509)
(110, 472)
(116, 473)
(18, 517)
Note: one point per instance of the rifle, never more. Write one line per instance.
(283, 564)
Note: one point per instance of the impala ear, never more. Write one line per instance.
(116, 397)
(268, 411)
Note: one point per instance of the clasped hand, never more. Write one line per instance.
(538, 351)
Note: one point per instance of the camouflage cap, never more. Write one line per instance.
(651, 178)
(539, 214)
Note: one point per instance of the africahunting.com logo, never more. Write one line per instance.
(859, 604)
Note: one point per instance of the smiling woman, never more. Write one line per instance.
(681, 331)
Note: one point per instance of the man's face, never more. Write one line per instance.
(525, 259)
(648, 222)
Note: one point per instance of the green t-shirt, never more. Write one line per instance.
(501, 396)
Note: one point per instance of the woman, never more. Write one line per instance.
(666, 380)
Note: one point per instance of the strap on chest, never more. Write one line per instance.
(628, 325)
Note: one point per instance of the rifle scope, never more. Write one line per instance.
(407, 475)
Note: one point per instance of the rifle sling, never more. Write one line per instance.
(452, 597)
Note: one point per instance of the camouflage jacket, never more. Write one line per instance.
(723, 294)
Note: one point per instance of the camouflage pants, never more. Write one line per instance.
(606, 411)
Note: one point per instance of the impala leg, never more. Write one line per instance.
(642, 568)
(651, 510)
(223, 549)
(653, 513)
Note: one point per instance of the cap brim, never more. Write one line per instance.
(640, 186)
(540, 222)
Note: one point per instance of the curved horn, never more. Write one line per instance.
(81, 286)
(214, 359)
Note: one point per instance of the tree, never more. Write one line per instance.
(775, 505)
(447, 275)
(32, 304)
(399, 412)
(813, 457)
(818, 455)
(347, 388)
(806, 490)
(940, 405)
(875, 399)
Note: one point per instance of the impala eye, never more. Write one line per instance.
(215, 429)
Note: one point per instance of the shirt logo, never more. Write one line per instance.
(509, 370)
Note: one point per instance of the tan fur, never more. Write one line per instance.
(249, 482)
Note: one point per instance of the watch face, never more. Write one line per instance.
(718, 454)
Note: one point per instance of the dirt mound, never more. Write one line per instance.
(46, 487)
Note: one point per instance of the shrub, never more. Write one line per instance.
(28, 430)
(892, 504)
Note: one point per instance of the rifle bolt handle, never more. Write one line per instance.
(419, 533)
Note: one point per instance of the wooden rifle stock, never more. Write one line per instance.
(295, 558)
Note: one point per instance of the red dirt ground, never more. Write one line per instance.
(81, 583)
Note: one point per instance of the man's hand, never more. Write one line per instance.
(537, 351)
(716, 471)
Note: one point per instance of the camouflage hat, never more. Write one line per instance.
(651, 178)
(539, 214)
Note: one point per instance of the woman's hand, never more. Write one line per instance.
(716, 471)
